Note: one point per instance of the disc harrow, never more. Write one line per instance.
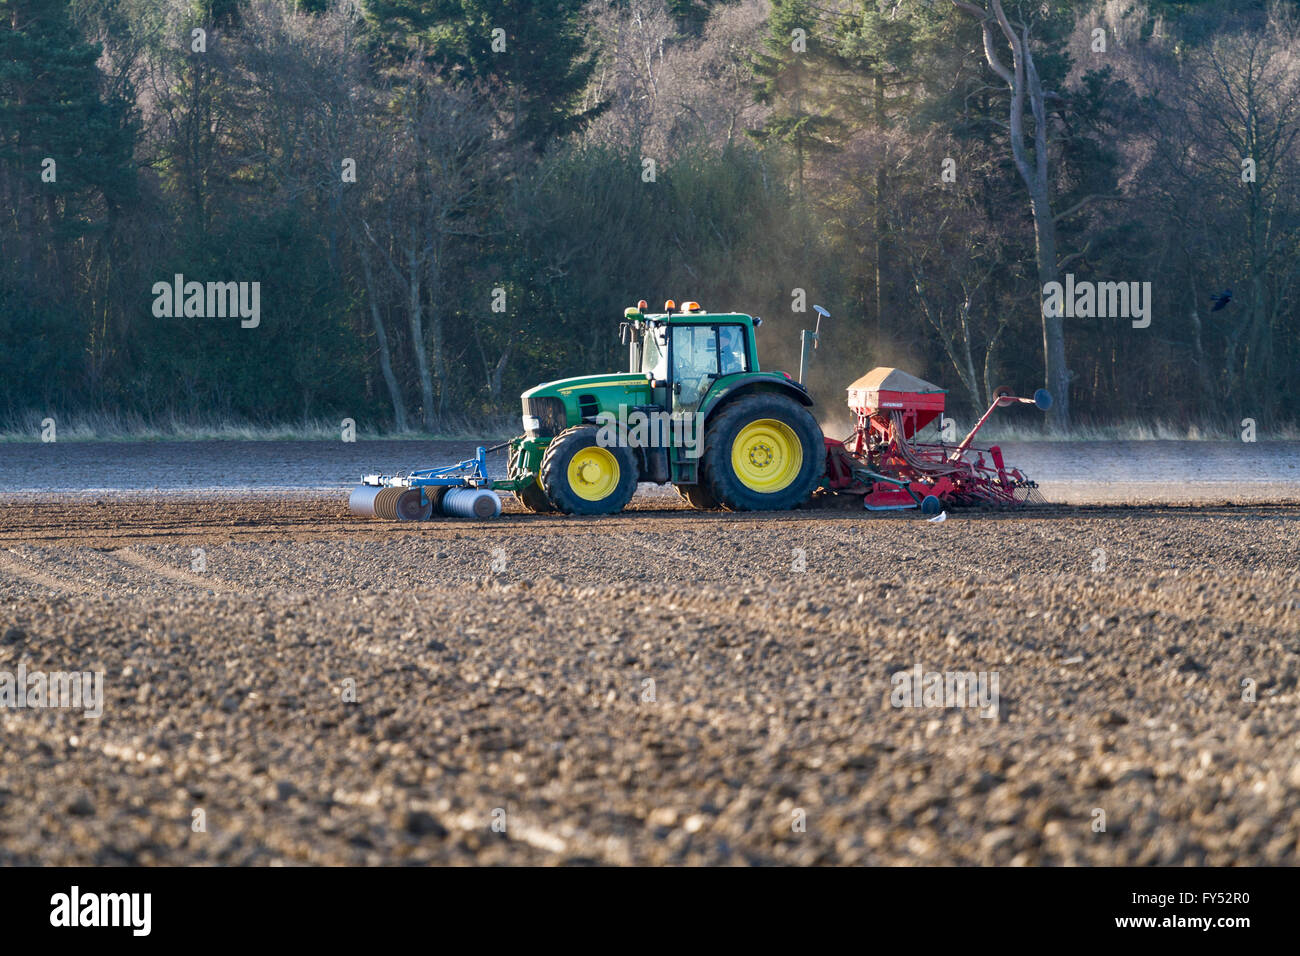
(463, 490)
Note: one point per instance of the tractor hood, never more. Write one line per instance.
(625, 382)
(551, 407)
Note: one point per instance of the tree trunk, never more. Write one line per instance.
(878, 222)
(1053, 325)
(970, 379)
(438, 349)
(419, 349)
(385, 354)
(988, 364)
(498, 374)
(437, 338)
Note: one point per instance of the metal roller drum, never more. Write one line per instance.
(415, 504)
(386, 503)
(412, 505)
(362, 500)
(471, 503)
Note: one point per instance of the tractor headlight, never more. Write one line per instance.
(532, 423)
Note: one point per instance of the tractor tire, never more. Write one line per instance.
(534, 499)
(581, 477)
(697, 496)
(763, 453)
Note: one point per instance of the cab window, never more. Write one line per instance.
(731, 349)
(695, 351)
(695, 363)
(708, 350)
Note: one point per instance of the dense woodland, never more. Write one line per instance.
(446, 201)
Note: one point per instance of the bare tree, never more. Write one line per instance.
(1243, 100)
(1030, 151)
(310, 125)
(435, 182)
(954, 257)
(668, 92)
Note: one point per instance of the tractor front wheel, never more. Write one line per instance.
(763, 453)
(583, 477)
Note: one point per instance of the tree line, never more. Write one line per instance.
(443, 202)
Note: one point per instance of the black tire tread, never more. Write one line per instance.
(715, 463)
(534, 499)
(554, 480)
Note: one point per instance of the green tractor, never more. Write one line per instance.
(694, 409)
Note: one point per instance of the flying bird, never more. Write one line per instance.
(1221, 300)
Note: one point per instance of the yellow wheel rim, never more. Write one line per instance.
(593, 473)
(766, 456)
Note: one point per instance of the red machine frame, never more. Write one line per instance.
(883, 462)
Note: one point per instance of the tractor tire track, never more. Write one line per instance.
(131, 558)
(23, 566)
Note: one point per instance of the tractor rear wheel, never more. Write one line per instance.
(583, 477)
(697, 496)
(763, 453)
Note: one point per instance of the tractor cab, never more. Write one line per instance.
(683, 353)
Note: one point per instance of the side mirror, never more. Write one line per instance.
(1043, 399)
(623, 329)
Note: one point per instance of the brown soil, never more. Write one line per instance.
(505, 667)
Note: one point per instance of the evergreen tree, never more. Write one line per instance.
(787, 77)
(530, 53)
(65, 152)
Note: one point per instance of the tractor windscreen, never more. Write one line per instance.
(695, 362)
